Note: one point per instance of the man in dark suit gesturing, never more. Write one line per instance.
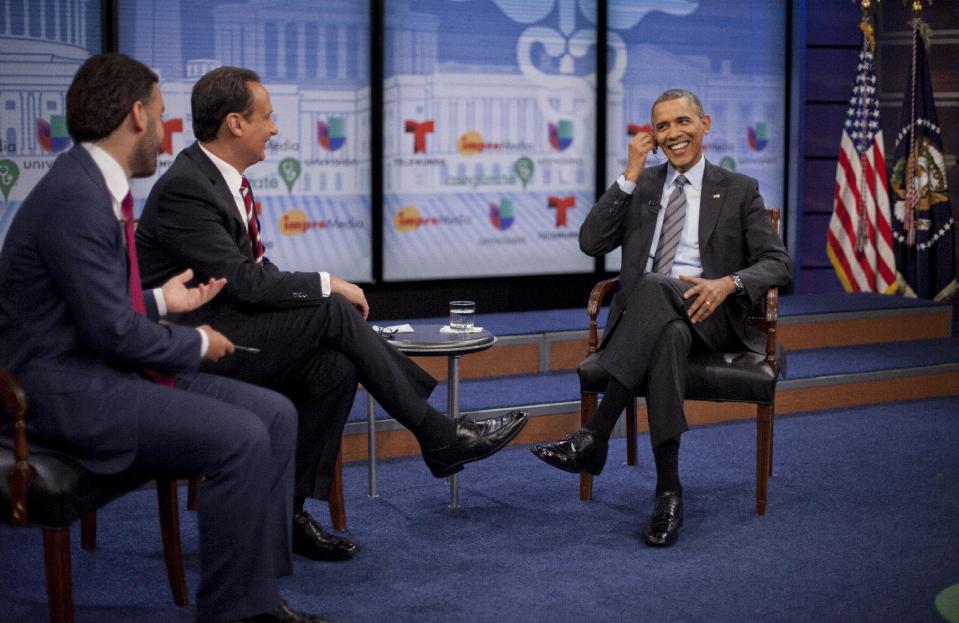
(309, 327)
(82, 337)
(698, 252)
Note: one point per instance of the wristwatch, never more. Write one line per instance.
(738, 282)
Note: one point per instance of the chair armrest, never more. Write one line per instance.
(600, 292)
(765, 318)
(15, 401)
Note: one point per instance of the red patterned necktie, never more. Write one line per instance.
(254, 225)
(136, 290)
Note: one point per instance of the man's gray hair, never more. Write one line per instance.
(675, 94)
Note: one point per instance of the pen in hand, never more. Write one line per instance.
(245, 349)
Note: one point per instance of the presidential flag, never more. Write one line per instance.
(859, 241)
(924, 229)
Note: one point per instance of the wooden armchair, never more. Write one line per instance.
(720, 377)
(51, 491)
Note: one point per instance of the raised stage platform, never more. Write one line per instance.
(844, 350)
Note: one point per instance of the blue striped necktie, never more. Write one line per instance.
(672, 228)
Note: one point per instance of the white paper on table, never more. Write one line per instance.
(397, 328)
(447, 329)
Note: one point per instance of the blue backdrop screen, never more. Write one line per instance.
(313, 189)
(42, 44)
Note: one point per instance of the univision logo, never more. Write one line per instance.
(331, 134)
(502, 216)
(757, 137)
(561, 134)
(52, 135)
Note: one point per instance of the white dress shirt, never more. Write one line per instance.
(687, 260)
(119, 186)
(234, 180)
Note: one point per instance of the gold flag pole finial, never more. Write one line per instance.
(916, 6)
(866, 24)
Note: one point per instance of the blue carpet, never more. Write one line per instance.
(863, 525)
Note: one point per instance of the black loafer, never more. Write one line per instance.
(311, 541)
(662, 529)
(474, 441)
(581, 451)
(284, 614)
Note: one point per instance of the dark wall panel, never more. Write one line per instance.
(820, 281)
(812, 240)
(823, 129)
(832, 23)
(831, 74)
(819, 182)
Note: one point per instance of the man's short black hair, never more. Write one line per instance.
(675, 94)
(217, 94)
(102, 92)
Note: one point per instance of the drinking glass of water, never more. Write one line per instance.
(461, 315)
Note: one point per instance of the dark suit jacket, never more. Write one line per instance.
(66, 323)
(191, 220)
(735, 236)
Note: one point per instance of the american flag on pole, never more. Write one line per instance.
(859, 241)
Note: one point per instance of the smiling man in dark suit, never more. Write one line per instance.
(698, 252)
(82, 337)
(310, 327)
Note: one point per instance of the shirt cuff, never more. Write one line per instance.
(161, 303)
(625, 185)
(325, 287)
(204, 343)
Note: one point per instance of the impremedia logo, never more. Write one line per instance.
(331, 134)
(409, 218)
(501, 215)
(561, 205)
(561, 134)
(756, 137)
(419, 130)
(170, 127)
(52, 135)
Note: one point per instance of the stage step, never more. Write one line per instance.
(555, 340)
(821, 378)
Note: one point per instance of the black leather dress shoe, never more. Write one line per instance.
(582, 451)
(309, 540)
(473, 441)
(284, 614)
(663, 526)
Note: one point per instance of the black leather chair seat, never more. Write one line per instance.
(718, 376)
(61, 490)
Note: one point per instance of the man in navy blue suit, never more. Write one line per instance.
(82, 338)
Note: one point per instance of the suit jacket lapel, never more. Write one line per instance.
(710, 202)
(651, 196)
(220, 187)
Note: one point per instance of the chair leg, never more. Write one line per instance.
(772, 436)
(336, 502)
(56, 557)
(586, 411)
(763, 454)
(88, 531)
(191, 488)
(631, 432)
(169, 505)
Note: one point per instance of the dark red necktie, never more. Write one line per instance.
(254, 226)
(136, 290)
